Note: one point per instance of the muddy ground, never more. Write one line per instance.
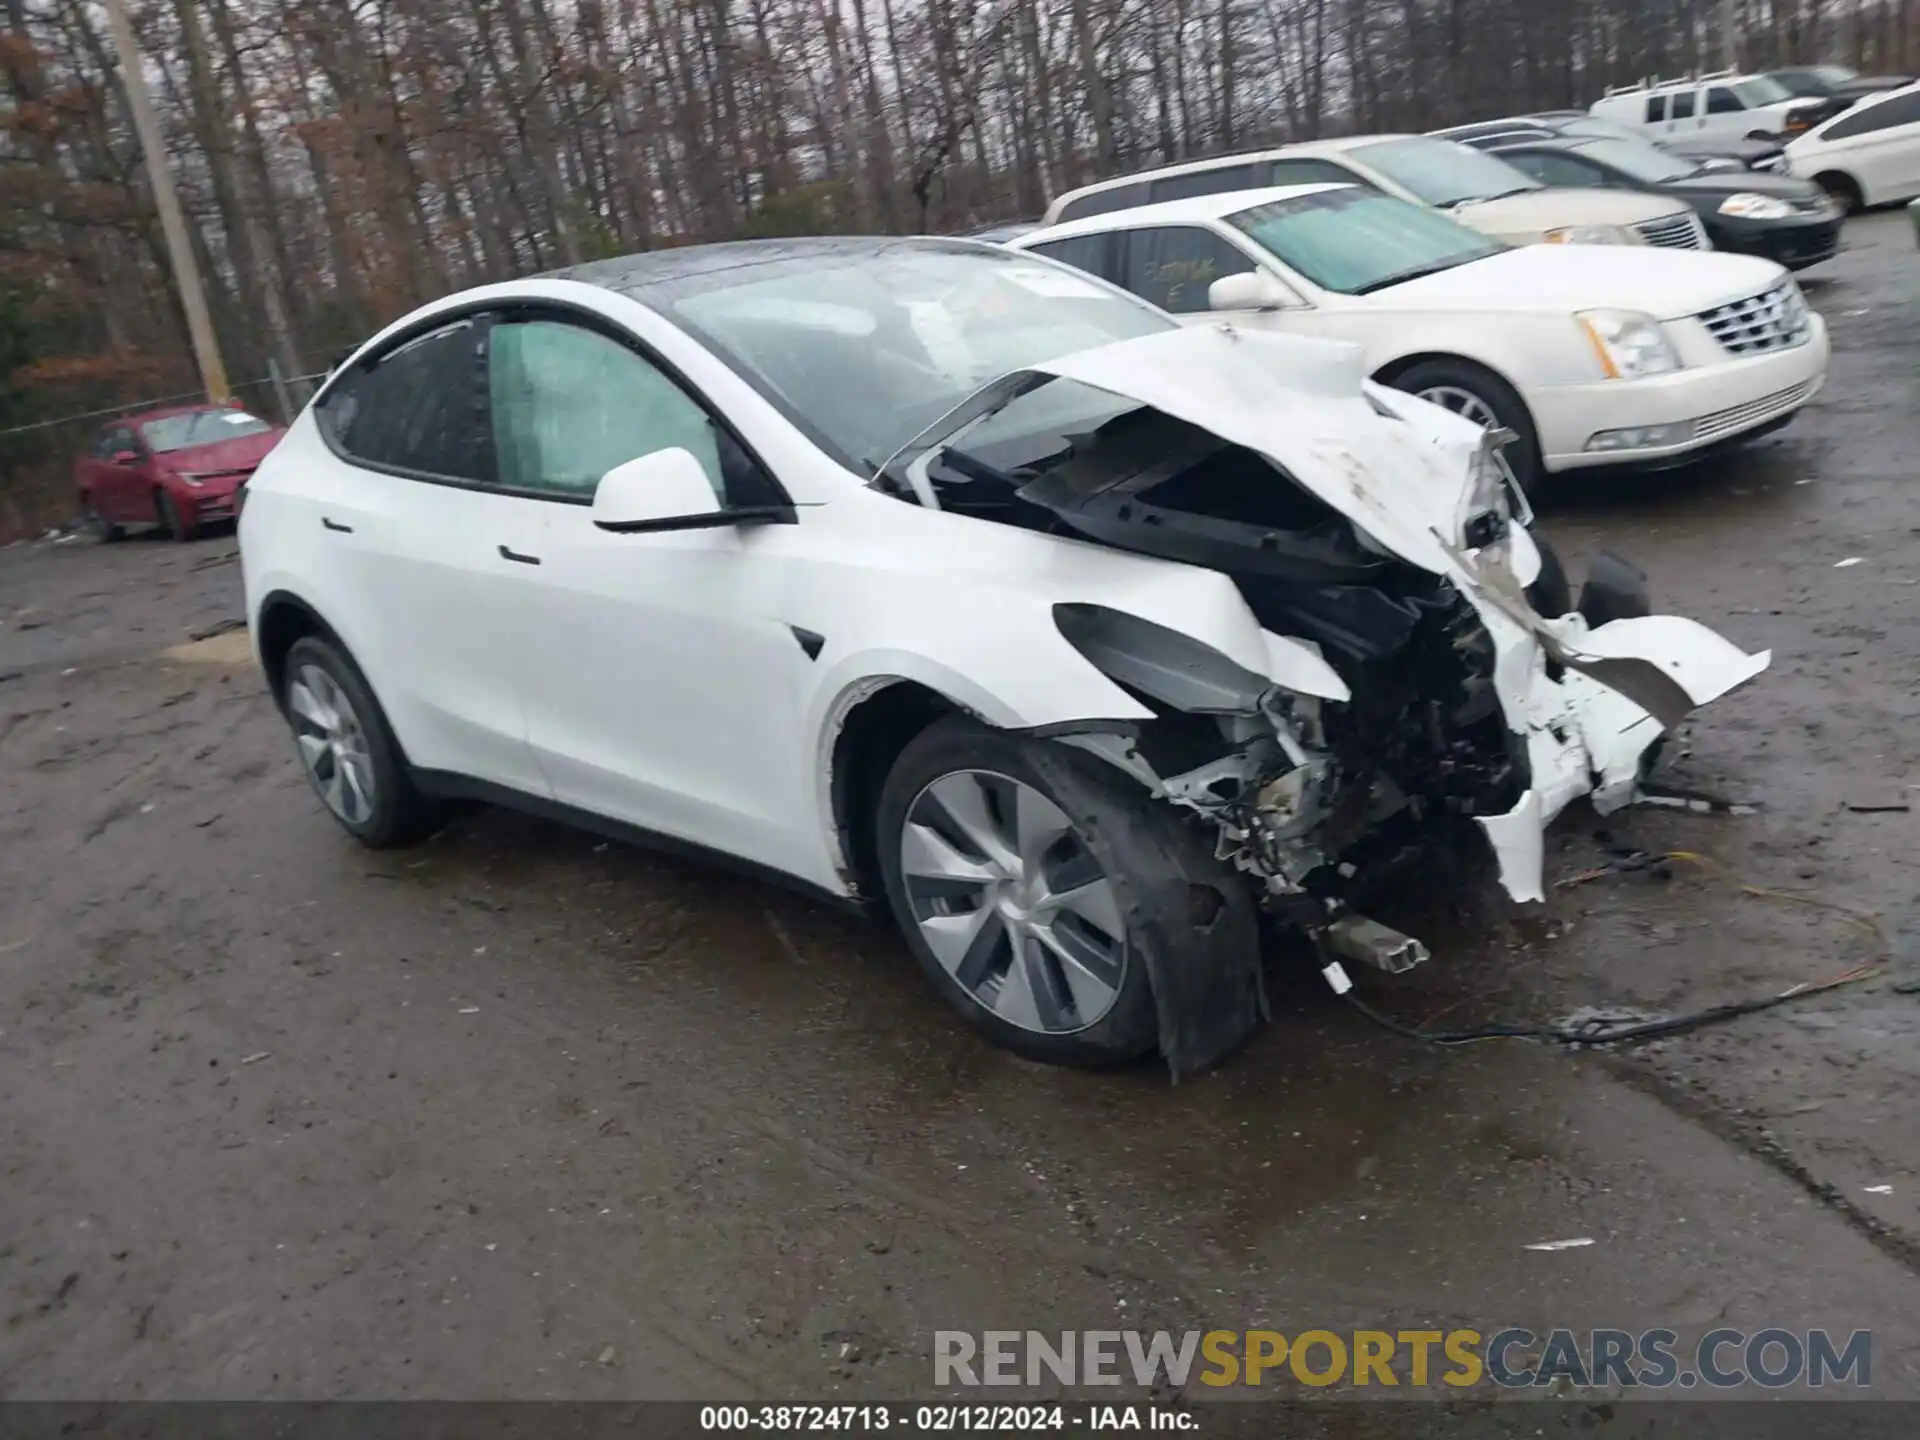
(524, 1114)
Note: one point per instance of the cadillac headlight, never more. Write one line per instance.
(1747, 206)
(1631, 346)
(1593, 235)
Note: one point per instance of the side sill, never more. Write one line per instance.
(449, 785)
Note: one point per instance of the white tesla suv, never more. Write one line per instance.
(929, 575)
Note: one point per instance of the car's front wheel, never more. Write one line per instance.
(171, 520)
(1038, 890)
(347, 749)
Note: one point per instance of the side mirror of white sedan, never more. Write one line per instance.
(1252, 290)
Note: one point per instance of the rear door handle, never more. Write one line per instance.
(336, 525)
(517, 557)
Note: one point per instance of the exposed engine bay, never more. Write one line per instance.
(1426, 664)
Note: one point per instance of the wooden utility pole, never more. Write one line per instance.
(173, 225)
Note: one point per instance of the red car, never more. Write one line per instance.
(176, 468)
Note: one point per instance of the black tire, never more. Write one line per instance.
(1551, 593)
(1494, 393)
(106, 530)
(1842, 190)
(1111, 820)
(171, 519)
(400, 814)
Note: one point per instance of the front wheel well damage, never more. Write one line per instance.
(870, 740)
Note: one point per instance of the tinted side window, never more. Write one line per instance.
(1312, 172)
(420, 408)
(1682, 106)
(1173, 266)
(1551, 168)
(1721, 101)
(1656, 109)
(1105, 202)
(1207, 182)
(1083, 252)
(1901, 110)
(569, 404)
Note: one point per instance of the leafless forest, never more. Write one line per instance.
(343, 160)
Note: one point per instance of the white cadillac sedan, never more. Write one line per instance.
(928, 575)
(1590, 354)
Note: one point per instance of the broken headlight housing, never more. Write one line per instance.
(1494, 497)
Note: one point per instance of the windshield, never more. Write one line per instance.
(1441, 172)
(1761, 90)
(1640, 161)
(1835, 74)
(865, 351)
(1355, 241)
(200, 427)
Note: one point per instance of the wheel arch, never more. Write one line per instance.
(282, 620)
(874, 721)
(1847, 181)
(1390, 371)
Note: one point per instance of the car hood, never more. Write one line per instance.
(1534, 212)
(1715, 184)
(1666, 284)
(244, 452)
(1303, 403)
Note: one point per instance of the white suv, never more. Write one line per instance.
(1722, 105)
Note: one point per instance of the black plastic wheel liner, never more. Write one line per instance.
(1193, 921)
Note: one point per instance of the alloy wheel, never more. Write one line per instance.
(333, 744)
(1011, 902)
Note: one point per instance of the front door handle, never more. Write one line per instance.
(517, 557)
(336, 525)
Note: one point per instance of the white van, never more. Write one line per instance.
(1724, 105)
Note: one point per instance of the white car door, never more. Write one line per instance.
(665, 681)
(420, 575)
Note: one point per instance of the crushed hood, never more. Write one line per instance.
(1304, 404)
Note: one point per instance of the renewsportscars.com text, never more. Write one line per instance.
(1513, 1358)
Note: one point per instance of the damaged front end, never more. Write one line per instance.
(1409, 683)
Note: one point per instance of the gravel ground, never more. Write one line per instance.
(521, 1114)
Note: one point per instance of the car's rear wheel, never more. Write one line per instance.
(171, 520)
(348, 750)
(1475, 393)
(1001, 873)
(104, 528)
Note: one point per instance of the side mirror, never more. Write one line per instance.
(126, 457)
(1252, 290)
(669, 490)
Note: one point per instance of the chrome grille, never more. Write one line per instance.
(1740, 417)
(1682, 231)
(1774, 319)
